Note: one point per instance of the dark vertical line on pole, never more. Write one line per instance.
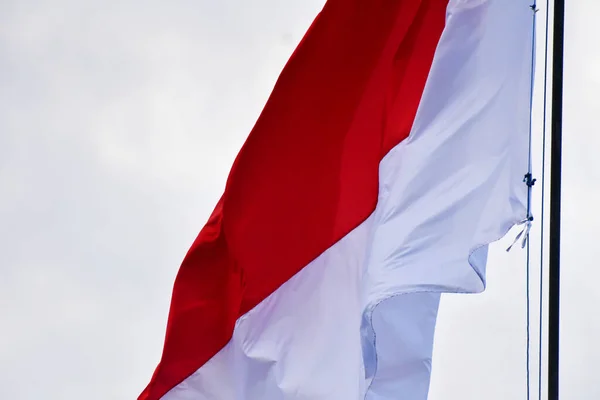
(555, 200)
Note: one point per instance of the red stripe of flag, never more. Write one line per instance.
(307, 174)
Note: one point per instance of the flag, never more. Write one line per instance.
(390, 153)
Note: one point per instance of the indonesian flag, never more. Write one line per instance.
(390, 154)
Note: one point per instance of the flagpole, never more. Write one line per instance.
(555, 200)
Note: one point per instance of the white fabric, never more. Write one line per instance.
(453, 187)
(358, 322)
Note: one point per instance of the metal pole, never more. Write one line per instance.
(555, 200)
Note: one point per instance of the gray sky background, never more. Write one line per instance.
(119, 121)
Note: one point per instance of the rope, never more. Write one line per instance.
(527, 222)
(529, 181)
(541, 283)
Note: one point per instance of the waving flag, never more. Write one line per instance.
(390, 153)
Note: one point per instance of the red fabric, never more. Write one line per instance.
(307, 174)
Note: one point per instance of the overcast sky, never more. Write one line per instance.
(119, 121)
